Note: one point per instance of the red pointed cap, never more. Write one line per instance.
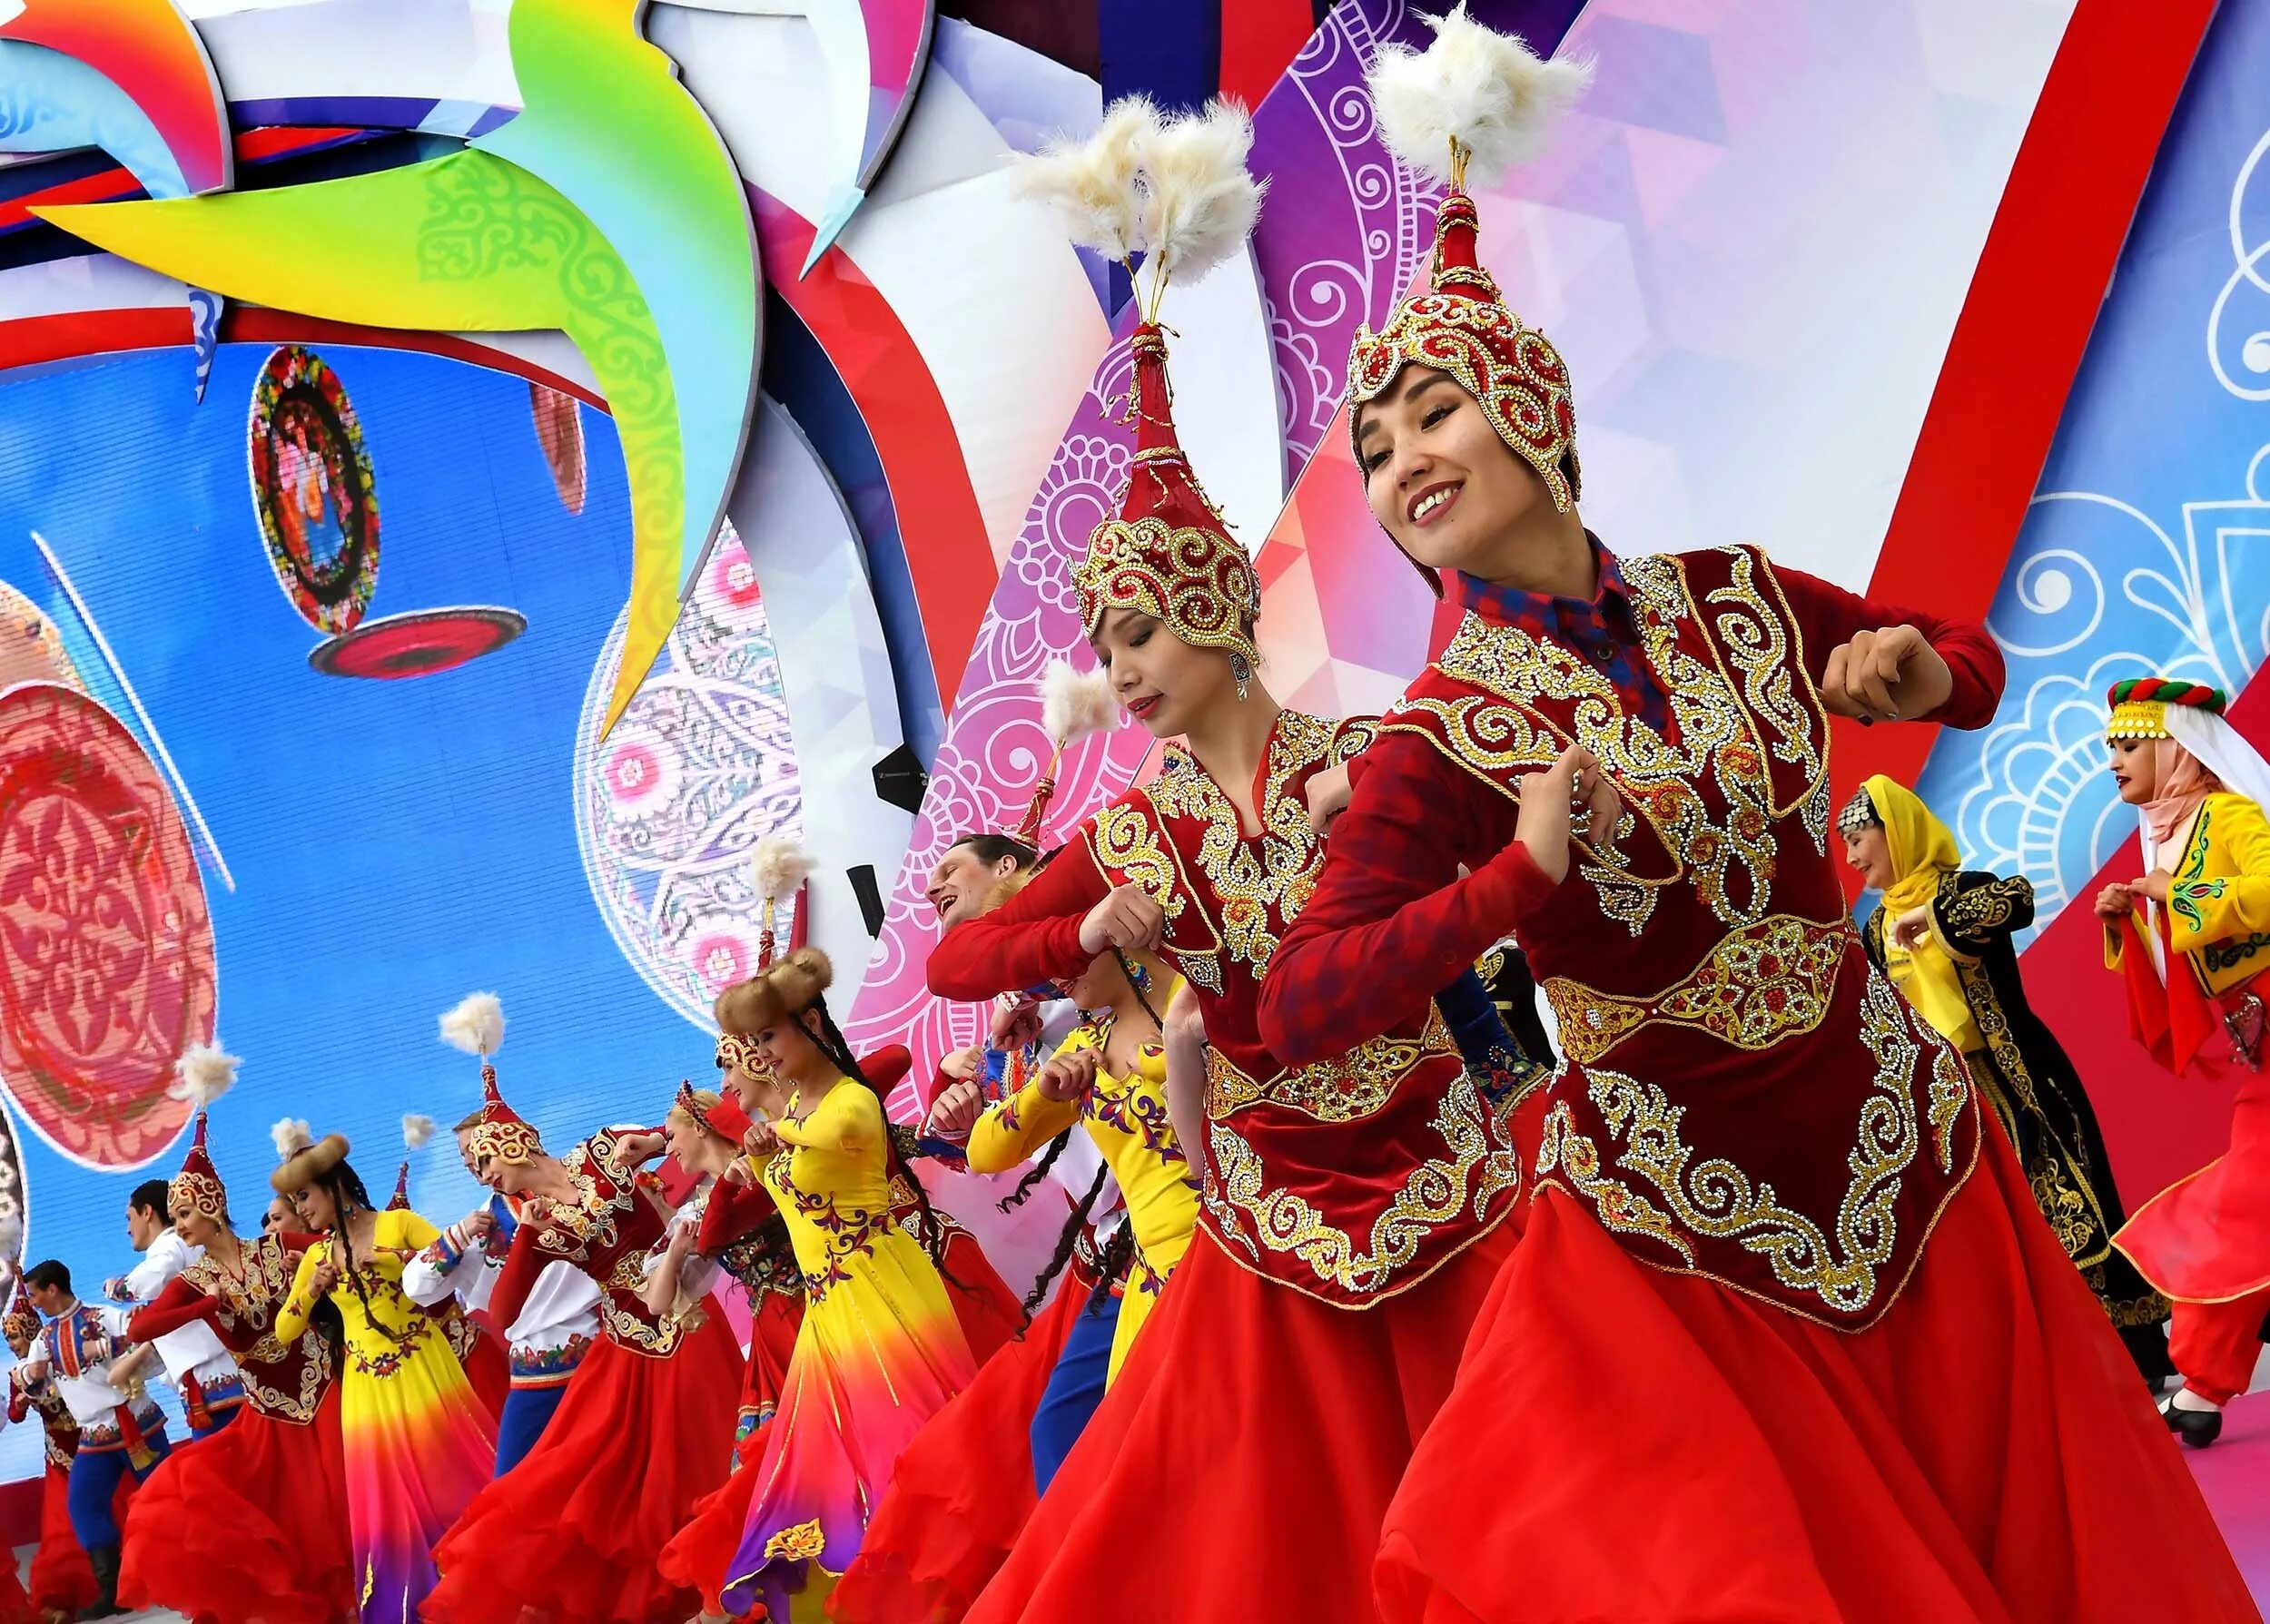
(1168, 553)
(887, 1067)
(400, 1201)
(1459, 324)
(198, 1184)
(500, 1134)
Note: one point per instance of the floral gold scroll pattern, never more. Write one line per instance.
(1346, 1089)
(1757, 986)
(1719, 733)
(1714, 1199)
(800, 1542)
(1435, 1193)
(1128, 845)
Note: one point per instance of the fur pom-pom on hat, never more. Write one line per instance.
(778, 864)
(305, 1167)
(477, 1025)
(417, 1130)
(1075, 702)
(1487, 93)
(1199, 202)
(290, 1136)
(1091, 184)
(203, 1074)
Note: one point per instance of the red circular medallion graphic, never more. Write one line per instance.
(418, 643)
(106, 952)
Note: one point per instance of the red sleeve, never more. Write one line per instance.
(1829, 616)
(734, 1210)
(177, 1305)
(1034, 935)
(19, 1401)
(1391, 921)
(523, 1264)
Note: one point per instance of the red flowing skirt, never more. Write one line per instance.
(1630, 1445)
(61, 1579)
(1241, 1464)
(246, 1526)
(487, 1366)
(2207, 1238)
(573, 1533)
(963, 1489)
(695, 1558)
(988, 1311)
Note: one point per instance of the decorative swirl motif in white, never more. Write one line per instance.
(2250, 284)
(2030, 793)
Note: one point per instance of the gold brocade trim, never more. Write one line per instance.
(1432, 1195)
(1756, 985)
(801, 1542)
(1345, 1088)
(1719, 733)
(633, 1329)
(1714, 1199)
(1255, 885)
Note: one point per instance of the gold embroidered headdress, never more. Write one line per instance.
(1173, 193)
(477, 1026)
(204, 1074)
(1474, 101)
(2139, 706)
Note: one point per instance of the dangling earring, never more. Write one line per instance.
(1241, 672)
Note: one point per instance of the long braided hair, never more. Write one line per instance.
(791, 987)
(1119, 1252)
(345, 1185)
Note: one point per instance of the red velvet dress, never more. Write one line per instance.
(247, 1526)
(1722, 1377)
(61, 1580)
(1352, 1214)
(963, 1490)
(574, 1533)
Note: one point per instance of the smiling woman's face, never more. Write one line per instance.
(1159, 679)
(1437, 477)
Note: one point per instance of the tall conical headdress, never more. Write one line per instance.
(477, 1026)
(21, 1323)
(416, 1131)
(1479, 101)
(1176, 193)
(204, 1074)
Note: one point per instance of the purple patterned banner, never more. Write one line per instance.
(1343, 234)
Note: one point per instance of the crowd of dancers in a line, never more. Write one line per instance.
(1791, 1283)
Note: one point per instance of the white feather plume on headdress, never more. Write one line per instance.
(1091, 183)
(290, 1136)
(778, 864)
(1075, 702)
(477, 1025)
(1486, 91)
(1198, 200)
(203, 1074)
(417, 1130)
(11, 1239)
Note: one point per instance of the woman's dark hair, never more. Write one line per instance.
(1034, 1173)
(992, 848)
(345, 1185)
(1067, 1240)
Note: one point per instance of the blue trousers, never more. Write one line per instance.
(95, 1478)
(221, 1418)
(528, 1411)
(1074, 1389)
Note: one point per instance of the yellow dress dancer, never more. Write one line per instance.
(416, 1441)
(880, 1350)
(1125, 1114)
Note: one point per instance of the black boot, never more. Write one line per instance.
(104, 1560)
(2196, 1428)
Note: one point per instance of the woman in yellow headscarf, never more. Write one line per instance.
(1945, 937)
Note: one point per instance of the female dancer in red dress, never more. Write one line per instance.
(573, 1533)
(249, 1525)
(1724, 1376)
(1352, 1210)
